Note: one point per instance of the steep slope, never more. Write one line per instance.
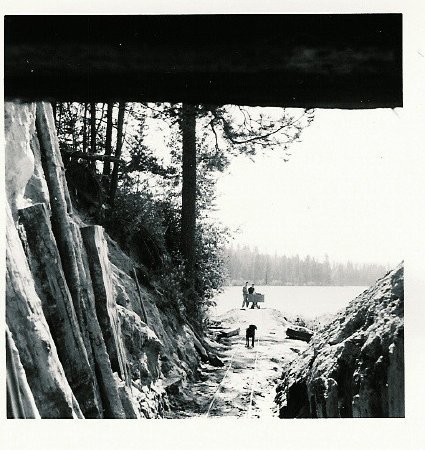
(79, 344)
(354, 367)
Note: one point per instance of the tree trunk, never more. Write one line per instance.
(188, 218)
(85, 129)
(92, 127)
(59, 122)
(102, 113)
(114, 177)
(92, 148)
(108, 148)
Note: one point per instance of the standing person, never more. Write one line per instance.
(251, 291)
(245, 295)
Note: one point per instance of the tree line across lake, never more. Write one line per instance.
(244, 264)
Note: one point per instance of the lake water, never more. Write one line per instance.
(306, 301)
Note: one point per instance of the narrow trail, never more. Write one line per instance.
(245, 386)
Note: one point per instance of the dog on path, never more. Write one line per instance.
(250, 334)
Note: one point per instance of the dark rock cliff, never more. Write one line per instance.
(79, 342)
(354, 367)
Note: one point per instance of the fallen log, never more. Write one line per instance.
(230, 333)
(300, 333)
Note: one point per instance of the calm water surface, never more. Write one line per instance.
(306, 301)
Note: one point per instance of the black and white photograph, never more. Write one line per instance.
(207, 219)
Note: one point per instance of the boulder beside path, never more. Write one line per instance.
(354, 366)
(298, 332)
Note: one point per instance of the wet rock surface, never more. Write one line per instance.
(353, 367)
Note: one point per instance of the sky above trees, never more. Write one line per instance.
(343, 191)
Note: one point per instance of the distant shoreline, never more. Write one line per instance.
(307, 301)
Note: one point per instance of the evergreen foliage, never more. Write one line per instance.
(244, 264)
(144, 215)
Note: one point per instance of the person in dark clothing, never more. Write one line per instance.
(250, 334)
(250, 296)
(251, 291)
(245, 296)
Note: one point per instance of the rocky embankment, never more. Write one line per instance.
(353, 367)
(83, 340)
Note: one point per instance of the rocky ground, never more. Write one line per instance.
(253, 373)
(354, 366)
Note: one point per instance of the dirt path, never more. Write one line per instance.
(245, 386)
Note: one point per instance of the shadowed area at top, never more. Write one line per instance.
(328, 61)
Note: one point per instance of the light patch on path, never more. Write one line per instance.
(253, 373)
